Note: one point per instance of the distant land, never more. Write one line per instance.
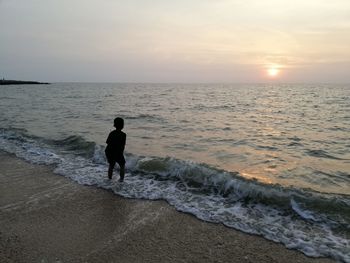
(19, 82)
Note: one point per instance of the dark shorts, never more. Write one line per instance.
(112, 159)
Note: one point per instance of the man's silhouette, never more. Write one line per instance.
(115, 148)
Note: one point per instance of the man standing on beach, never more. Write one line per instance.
(115, 149)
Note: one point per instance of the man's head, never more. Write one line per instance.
(119, 123)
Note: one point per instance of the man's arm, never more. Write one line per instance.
(123, 142)
(108, 139)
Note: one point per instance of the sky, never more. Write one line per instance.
(175, 41)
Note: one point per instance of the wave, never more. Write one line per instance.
(77, 144)
(146, 117)
(204, 179)
(322, 154)
(315, 223)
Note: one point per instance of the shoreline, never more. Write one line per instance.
(46, 217)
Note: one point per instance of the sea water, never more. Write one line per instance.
(267, 159)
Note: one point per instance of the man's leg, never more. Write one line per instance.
(110, 170)
(122, 172)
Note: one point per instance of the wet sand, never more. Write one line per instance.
(45, 217)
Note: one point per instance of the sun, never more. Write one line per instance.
(273, 72)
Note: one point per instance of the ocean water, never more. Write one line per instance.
(271, 160)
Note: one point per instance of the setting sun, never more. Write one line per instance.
(273, 72)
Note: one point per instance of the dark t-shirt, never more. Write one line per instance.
(115, 144)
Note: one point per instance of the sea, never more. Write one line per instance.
(267, 159)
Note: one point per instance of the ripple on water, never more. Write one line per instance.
(321, 154)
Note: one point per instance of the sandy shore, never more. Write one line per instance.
(47, 218)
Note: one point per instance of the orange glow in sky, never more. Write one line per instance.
(273, 72)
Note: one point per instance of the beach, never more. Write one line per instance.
(48, 218)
